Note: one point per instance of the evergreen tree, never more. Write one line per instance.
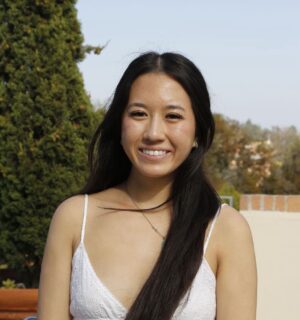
(46, 121)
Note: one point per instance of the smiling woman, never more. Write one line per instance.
(147, 237)
(158, 126)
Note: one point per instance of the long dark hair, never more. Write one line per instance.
(194, 200)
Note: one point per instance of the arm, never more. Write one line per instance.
(237, 273)
(56, 266)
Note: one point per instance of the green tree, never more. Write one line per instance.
(46, 121)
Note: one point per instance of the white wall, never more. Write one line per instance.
(276, 237)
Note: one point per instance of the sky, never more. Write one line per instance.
(247, 51)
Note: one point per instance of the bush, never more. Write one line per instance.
(46, 121)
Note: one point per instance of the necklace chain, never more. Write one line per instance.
(150, 223)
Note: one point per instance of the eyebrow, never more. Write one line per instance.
(169, 106)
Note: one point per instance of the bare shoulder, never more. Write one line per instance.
(234, 232)
(236, 254)
(70, 209)
(237, 273)
(68, 217)
(232, 224)
(56, 264)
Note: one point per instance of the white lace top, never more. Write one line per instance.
(92, 300)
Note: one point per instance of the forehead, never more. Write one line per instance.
(158, 88)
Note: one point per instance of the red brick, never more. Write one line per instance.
(256, 201)
(268, 202)
(244, 201)
(279, 203)
(293, 203)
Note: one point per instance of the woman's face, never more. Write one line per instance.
(158, 125)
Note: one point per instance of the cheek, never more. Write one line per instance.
(130, 131)
(185, 132)
(125, 126)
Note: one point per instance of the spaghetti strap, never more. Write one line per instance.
(211, 229)
(84, 217)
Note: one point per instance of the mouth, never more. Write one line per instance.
(154, 154)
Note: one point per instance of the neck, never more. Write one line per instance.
(148, 192)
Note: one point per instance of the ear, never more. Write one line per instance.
(195, 144)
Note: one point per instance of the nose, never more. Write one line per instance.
(154, 130)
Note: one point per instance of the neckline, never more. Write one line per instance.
(100, 282)
(109, 292)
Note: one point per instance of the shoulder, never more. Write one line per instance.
(67, 218)
(69, 208)
(234, 233)
(69, 213)
(232, 220)
(236, 272)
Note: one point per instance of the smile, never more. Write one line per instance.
(154, 153)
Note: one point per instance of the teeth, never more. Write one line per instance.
(155, 152)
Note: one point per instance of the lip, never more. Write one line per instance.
(153, 149)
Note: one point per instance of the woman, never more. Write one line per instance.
(151, 240)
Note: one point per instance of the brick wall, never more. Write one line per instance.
(266, 202)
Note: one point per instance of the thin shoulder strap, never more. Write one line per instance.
(84, 217)
(211, 229)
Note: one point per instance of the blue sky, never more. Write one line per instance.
(248, 52)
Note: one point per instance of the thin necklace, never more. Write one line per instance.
(150, 223)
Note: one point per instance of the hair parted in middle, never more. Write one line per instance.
(194, 200)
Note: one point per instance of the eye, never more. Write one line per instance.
(137, 114)
(174, 116)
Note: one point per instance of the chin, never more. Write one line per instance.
(155, 174)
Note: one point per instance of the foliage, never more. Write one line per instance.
(291, 167)
(11, 284)
(253, 160)
(8, 284)
(228, 189)
(237, 159)
(46, 121)
(286, 178)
